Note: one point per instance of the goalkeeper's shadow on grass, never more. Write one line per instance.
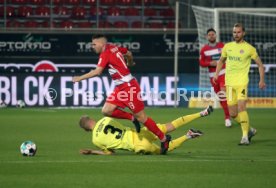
(123, 154)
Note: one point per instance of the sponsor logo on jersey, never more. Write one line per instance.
(212, 52)
(234, 58)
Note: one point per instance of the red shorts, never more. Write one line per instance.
(127, 95)
(220, 83)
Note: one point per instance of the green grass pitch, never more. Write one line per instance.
(213, 160)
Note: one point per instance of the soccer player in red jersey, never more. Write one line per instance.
(209, 56)
(127, 90)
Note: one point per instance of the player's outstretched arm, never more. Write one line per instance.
(95, 152)
(258, 61)
(98, 71)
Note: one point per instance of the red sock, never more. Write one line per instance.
(151, 125)
(224, 105)
(120, 114)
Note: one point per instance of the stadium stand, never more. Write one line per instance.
(89, 11)
(84, 13)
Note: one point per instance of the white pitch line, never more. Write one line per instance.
(139, 161)
(39, 110)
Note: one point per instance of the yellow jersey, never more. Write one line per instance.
(110, 134)
(238, 62)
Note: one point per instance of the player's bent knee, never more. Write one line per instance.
(141, 116)
(242, 108)
(141, 119)
(106, 112)
(233, 114)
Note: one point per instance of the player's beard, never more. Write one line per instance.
(213, 41)
(238, 39)
(95, 51)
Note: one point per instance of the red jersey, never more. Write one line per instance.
(112, 57)
(210, 53)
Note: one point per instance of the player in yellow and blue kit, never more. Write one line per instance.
(110, 135)
(237, 55)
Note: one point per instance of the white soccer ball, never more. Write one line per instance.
(20, 104)
(28, 148)
(3, 104)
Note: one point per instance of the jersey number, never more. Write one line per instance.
(113, 131)
(120, 56)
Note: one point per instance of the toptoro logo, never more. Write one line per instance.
(24, 46)
(87, 46)
(29, 42)
(182, 46)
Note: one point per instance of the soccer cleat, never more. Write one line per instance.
(252, 132)
(165, 145)
(206, 111)
(228, 123)
(137, 125)
(192, 133)
(244, 141)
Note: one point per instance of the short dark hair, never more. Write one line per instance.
(211, 29)
(97, 36)
(239, 25)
